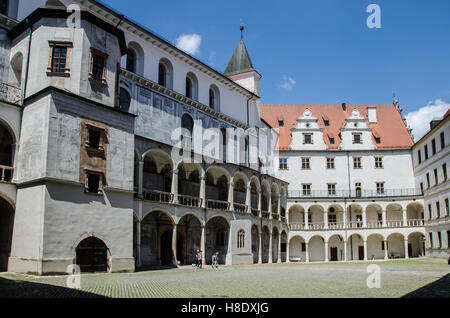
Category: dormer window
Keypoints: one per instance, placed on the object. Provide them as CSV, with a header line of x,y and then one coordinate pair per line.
x,y
307,138
326,122
331,140
281,123
357,138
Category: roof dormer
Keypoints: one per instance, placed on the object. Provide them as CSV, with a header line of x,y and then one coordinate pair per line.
x,y
307,134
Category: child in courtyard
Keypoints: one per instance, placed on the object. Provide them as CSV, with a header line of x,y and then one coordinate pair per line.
x,y
214,260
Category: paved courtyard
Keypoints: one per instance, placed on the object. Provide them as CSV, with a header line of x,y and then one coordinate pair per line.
x,y
417,277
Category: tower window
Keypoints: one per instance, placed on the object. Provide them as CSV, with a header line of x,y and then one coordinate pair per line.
x,y
58,64
97,70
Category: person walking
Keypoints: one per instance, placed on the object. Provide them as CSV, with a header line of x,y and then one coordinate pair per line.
x,y
214,262
199,258
196,259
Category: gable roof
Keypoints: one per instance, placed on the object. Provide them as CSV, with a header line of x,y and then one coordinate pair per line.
x,y
390,127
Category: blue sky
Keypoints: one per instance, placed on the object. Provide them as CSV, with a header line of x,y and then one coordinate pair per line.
x,y
320,51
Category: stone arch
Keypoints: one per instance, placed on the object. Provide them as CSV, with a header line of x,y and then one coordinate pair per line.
x,y
217,179
7,213
374,215
297,248
416,244
240,182
165,73
414,212
283,201
335,216
316,246
265,194
355,247
336,248
157,175
316,212
92,253
189,182
217,238
254,195
7,152
283,246
189,230
191,86
265,243
296,217
396,245
394,215
16,63
375,246
354,215
214,97
124,99
255,243
137,63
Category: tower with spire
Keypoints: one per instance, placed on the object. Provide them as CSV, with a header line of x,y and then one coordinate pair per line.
x,y
240,68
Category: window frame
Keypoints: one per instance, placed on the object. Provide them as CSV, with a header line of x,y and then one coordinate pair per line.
x,y
283,165
331,188
241,239
102,141
306,163
89,172
357,163
94,52
330,164
360,138
306,189
61,44
380,187
304,138
378,162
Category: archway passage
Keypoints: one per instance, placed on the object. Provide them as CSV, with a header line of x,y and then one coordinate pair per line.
x,y
255,244
6,154
217,233
6,231
156,239
275,244
265,244
92,255
189,233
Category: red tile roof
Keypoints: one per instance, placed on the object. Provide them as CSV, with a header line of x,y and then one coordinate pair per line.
x,y
389,127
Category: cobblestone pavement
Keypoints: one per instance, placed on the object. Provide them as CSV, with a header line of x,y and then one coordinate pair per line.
x,y
398,278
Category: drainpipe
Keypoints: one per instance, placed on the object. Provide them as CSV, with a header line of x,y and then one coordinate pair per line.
x,y
28,62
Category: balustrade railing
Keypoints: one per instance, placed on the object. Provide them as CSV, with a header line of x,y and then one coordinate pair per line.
x,y
275,216
394,223
265,214
157,196
374,224
354,193
356,225
296,226
189,200
217,205
239,207
415,222
316,226
255,212
335,225
6,173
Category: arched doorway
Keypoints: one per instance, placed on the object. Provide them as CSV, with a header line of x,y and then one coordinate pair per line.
x,y
297,249
92,255
6,231
316,249
165,243
275,244
189,233
255,244
265,244
355,247
217,233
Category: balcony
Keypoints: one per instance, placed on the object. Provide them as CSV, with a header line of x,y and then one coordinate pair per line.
x,y
354,194
255,212
265,214
217,205
157,196
188,200
10,94
6,173
357,225
238,207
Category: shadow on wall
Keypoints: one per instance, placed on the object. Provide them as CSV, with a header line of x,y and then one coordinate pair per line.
x,y
21,289
436,289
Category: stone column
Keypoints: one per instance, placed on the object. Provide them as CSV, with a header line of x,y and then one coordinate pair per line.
x,y
288,256
270,248
269,206
364,218
231,195
138,243
405,241
174,245
305,216
386,256
174,188
141,179
405,218
365,250
383,217
279,205
260,247
307,252
203,245
203,190
248,198
345,251
344,219
326,251
279,249
325,219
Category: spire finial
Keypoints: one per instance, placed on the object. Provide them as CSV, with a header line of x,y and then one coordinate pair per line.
x,y
242,29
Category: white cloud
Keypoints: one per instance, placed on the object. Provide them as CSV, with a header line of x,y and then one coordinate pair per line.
x,y
289,83
189,43
212,58
419,120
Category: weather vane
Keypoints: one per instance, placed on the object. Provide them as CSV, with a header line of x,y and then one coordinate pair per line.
x,y
242,29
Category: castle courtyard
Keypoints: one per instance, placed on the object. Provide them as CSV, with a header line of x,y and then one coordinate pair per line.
x,y
423,277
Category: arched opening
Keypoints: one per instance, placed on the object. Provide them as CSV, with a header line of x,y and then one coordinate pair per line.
x,y
274,198
6,231
264,198
187,132
416,244
317,217
374,215
316,248
394,215
265,244
414,214
275,244
355,247
239,193
255,244
92,255
135,58
217,234
336,248
283,202
189,184
16,65
254,197
217,189
131,60
189,231
165,73
354,216
296,217
396,245
297,249
124,100
157,175
156,239
191,86
335,216
283,246
375,246
6,154
214,97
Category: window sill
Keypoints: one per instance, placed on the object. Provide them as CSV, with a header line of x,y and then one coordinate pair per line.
x,y
58,74
97,82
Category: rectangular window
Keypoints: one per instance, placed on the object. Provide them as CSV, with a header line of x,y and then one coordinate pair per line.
x,y
431,239
378,162
58,64
378,140
357,163
331,140
380,217
94,183
447,208
430,212
436,181
94,138
281,123
421,187
305,163
331,188
358,189
382,245
438,209
428,180
439,239
433,146
306,189
330,163
419,156
283,164
442,140
332,218
303,247
357,138
326,122
380,187
426,152
97,69
307,139
444,171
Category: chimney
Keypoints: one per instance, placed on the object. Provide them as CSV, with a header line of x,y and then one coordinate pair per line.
x,y
344,106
